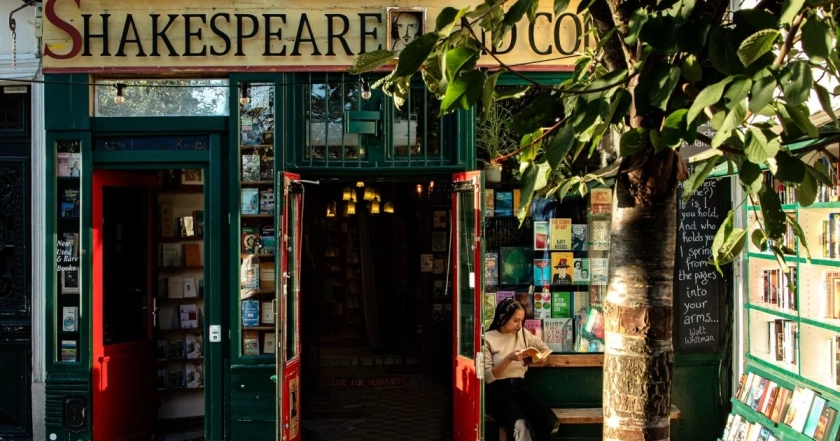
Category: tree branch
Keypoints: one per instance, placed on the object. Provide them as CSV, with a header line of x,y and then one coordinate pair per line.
x,y
549,131
613,48
791,36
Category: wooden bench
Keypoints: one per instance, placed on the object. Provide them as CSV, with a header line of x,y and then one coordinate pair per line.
x,y
588,415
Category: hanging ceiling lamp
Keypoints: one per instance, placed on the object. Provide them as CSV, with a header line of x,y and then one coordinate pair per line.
x,y
360,184
331,209
350,208
347,194
369,194
389,207
374,206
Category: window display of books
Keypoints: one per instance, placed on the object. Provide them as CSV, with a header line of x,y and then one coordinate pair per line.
x,y
557,269
68,162
257,234
791,386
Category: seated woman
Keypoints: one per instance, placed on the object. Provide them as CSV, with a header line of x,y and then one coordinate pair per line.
x,y
505,363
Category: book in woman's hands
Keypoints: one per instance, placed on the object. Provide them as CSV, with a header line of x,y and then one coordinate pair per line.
x,y
534,354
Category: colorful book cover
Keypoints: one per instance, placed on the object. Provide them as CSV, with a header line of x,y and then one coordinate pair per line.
x,y
268,241
501,295
250,313
800,404
515,266
534,327
540,235
267,202
250,167
189,316
542,304
825,423
69,203
250,202
517,194
580,302
600,200
579,238
542,272
194,375
489,308
580,273
491,269
504,203
813,417
599,235
598,271
68,350
558,334
526,299
560,268
561,304
561,234
250,240
489,202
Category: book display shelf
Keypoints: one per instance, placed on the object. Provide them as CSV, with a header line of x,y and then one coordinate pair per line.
x,y
68,187
258,239
180,294
791,388
555,265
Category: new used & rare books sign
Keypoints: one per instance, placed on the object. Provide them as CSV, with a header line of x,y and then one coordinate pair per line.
x,y
269,35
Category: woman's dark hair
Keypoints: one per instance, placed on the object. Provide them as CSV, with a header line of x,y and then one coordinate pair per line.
x,y
504,311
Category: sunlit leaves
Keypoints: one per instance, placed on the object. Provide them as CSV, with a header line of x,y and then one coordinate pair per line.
x,y
415,53
760,145
801,117
691,69
663,82
707,97
751,177
816,39
632,141
559,146
763,87
463,91
790,9
797,82
370,60
771,210
757,45
728,243
791,170
806,191
637,20
696,179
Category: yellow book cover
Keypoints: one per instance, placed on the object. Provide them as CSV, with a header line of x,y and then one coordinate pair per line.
x,y
561,234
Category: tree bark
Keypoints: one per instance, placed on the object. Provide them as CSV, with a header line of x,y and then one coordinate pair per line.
x,y
638,309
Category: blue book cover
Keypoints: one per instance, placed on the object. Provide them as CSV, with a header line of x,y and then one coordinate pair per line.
x,y
504,203
250,313
542,272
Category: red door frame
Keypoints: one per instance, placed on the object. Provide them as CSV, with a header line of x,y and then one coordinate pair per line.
x,y
468,418
289,369
115,417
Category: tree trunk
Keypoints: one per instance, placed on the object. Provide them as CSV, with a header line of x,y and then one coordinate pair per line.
x,y
638,309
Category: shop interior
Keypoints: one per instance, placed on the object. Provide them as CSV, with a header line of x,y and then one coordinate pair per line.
x,y
376,324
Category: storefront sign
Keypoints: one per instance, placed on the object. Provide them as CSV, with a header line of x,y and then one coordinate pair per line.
x,y
369,382
238,35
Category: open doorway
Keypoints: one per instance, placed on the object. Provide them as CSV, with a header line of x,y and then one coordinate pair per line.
x,y
376,325
148,295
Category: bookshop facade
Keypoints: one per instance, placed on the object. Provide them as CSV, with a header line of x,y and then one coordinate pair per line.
x,y
238,226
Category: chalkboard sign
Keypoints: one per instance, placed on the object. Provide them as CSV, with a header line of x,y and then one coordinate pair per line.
x,y
700,291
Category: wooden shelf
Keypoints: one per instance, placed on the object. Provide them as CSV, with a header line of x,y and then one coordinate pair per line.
x,y
572,361
181,239
256,146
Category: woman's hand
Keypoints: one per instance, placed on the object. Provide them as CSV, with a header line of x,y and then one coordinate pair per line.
x,y
516,356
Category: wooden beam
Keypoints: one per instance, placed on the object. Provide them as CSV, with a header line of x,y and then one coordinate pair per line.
x,y
572,361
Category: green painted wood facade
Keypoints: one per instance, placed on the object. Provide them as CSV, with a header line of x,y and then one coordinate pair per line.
x,y
239,396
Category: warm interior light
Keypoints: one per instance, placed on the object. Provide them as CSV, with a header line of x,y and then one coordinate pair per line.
x,y
347,194
350,208
431,187
374,206
360,184
244,94
388,208
331,209
369,194
120,97
419,190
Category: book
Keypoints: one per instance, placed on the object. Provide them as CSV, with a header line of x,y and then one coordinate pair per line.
x,y
187,226
167,220
598,271
70,318
68,350
161,379
175,350
250,201
542,304
250,313
489,309
160,351
501,295
534,354
250,167
600,201
558,334
175,379
579,238
438,241
69,203
540,235
250,240
194,345
561,234
170,254
269,343
267,281
491,269
561,262
599,235
68,164
561,304
515,266
825,423
250,343
194,375
542,272
267,168
439,219
175,287
800,405
534,326
266,313
813,419
489,202
580,273
189,316
267,201
503,204
189,287
198,216
268,241
192,255
427,263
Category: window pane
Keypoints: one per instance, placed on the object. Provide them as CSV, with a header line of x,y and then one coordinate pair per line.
x,y
163,98
324,105
466,266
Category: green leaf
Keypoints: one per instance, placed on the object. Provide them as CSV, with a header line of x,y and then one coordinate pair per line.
x,y
533,178
637,21
737,92
790,9
800,117
695,181
660,33
771,209
707,97
515,13
751,177
559,146
632,142
791,170
665,79
487,98
756,45
800,234
723,44
816,39
759,239
463,92
674,128
764,85
433,76
753,20
413,56
735,117
529,145
458,60
510,92
806,192
819,172
825,102
369,61
728,243
622,99
798,86
759,147
560,6
691,69
539,113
